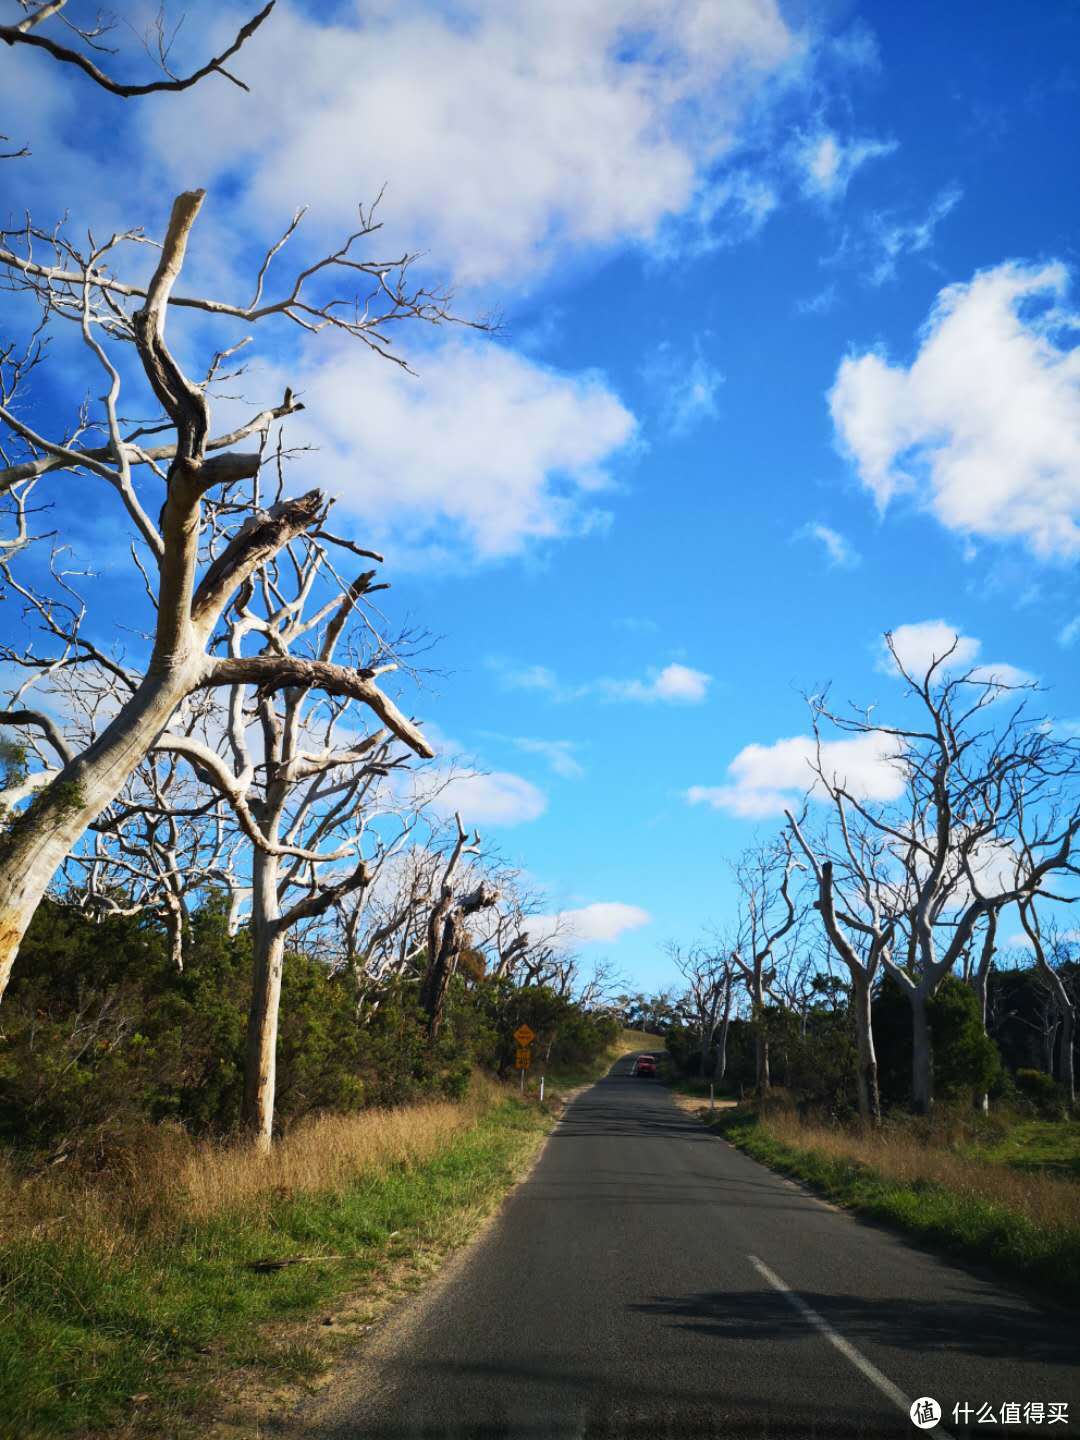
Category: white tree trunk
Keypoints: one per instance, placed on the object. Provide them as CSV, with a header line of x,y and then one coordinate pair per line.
x,y
41,836
268,946
867,1072
922,1054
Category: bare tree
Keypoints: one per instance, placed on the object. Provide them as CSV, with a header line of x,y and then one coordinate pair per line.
x,y
447,932
304,786
215,533
158,42
767,916
1049,949
854,899
709,973
986,817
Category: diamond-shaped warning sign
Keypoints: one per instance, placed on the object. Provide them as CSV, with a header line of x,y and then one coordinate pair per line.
x,y
524,1036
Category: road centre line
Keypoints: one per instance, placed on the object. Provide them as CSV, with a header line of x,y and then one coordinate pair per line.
x,y
809,1314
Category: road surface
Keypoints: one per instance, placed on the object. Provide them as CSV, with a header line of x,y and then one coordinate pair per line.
x,y
649,1280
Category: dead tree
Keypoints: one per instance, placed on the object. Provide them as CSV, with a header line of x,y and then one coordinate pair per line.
x,y
709,972
25,33
854,898
191,571
1047,948
447,931
986,817
159,847
767,916
306,786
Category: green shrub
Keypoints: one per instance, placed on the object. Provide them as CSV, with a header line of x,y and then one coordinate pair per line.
x,y
1042,1091
966,1060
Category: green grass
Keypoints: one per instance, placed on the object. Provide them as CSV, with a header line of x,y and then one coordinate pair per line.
x,y
1050,1145
89,1340
1045,1257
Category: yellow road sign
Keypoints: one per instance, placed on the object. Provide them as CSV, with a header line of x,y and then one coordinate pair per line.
x,y
524,1036
523,1059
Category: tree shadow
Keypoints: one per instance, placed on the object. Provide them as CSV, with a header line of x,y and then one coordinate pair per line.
x,y
984,1328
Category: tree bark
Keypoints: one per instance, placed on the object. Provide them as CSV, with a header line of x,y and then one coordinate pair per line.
x,y
1067,1063
867,1070
762,1063
922,1053
725,1024
1066,1067
979,983
41,836
268,945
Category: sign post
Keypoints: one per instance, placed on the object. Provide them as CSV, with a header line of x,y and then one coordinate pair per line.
x,y
524,1037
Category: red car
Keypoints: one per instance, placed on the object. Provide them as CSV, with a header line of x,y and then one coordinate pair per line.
x,y
645,1066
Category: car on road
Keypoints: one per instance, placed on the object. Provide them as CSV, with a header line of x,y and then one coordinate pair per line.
x,y
645,1067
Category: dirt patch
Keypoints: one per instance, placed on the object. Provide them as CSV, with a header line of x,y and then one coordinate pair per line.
x,y
699,1104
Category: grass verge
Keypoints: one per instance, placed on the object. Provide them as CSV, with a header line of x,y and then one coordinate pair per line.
x,y
1025,1225
122,1305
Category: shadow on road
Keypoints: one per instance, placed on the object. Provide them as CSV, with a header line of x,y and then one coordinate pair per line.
x,y
962,1328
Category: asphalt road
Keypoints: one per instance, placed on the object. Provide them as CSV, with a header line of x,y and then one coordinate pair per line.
x,y
649,1280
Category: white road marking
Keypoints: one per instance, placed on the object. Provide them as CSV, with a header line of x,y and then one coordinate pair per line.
x,y
864,1367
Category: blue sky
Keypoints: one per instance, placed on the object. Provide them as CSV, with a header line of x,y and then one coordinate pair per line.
x,y
786,361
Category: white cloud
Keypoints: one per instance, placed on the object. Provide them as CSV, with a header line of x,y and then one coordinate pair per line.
x,y
841,553
983,428
507,133
827,164
765,780
479,454
892,238
498,798
819,304
602,922
686,388
678,683
727,211
559,755
675,684
918,645
1068,633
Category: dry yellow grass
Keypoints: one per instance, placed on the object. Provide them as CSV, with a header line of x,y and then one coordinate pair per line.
x,y
168,1176
326,1153
909,1157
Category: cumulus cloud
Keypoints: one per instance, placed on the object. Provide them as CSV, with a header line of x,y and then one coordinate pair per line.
x,y
496,798
675,684
508,133
918,645
602,922
982,429
827,164
766,780
840,552
481,453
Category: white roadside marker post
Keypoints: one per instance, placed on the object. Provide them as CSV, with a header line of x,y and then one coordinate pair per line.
x,y
541,1089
